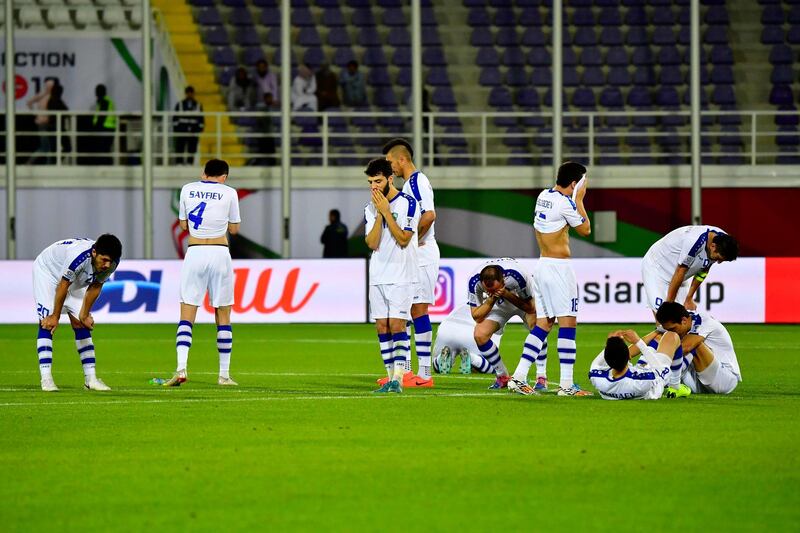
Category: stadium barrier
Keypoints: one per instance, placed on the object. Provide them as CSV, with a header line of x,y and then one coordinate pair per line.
x,y
755,290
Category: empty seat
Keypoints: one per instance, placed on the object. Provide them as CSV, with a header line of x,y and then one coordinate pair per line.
x,y
772,35
85,16
339,37
487,56
533,37
490,77
513,57
59,17
217,36
593,76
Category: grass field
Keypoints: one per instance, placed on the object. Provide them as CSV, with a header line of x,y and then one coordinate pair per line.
x,y
302,444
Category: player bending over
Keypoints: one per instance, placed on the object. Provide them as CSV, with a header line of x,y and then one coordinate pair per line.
x,y
455,338
615,378
209,209
499,290
555,287
392,218
684,253
67,278
710,364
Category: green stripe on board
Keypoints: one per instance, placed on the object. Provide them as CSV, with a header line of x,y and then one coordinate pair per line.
x,y
448,250
503,204
126,56
245,248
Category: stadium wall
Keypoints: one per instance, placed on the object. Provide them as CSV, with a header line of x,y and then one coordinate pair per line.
x,y
755,290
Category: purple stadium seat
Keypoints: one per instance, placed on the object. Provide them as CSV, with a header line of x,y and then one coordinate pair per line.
x,y
513,57
363,18
668,97
669,55
500,97
487,57
637,35
566,38
481,37
606,3
478,16
543,138
401,57
640,97
782,75
636,139
504,17
533,36
455,137
241,16
619,76
385,97
583,98
507,37
217,36
787,120
223,56
617,57
593,77
530,17
640,156
394,17
443,96
374,57
520,157
723,95
314,57
670,75
590,57
430,36
437,76
794,14
248,36
201,3
390,3
793,36
270,18
428,16
729,120
611,97
301,16
570,76
568,57
606,137
342,56
716,15
609,17
716,35
209,17
399,37
517,77
433,57
404,77
721,55
379,77
781,54
490,77
225,74
539,57
788,136
339,37
333,18
703,97
308,36
663,17
636,16
298,3
528,99
733,155
585,36
644,75
685,36
611,36
664,36
515,137
369,38
722,75
773,15
729,136
583,17
252,54
781,95
542,77
772,35
504,121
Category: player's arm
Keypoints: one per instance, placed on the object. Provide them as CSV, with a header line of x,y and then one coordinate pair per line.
x,y
85,315
634,349
233,229
691,342
373,238
585,228
689,302
50,322
520,303
425,222
480,312
402,236
675,283
234,217
184,224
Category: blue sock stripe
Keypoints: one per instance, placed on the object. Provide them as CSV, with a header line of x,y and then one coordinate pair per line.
x,y
539,333
224,340
401,347
532,348
676,367
528,358
422,343
384,337
422,324
679,351
402,336
44,334
224,350
567,333
225,328
82,333
541,357
387,350
493,353
185,323
89,348
567,361
183,343
45,360
567,350
41,349
184,334
87,361
486,347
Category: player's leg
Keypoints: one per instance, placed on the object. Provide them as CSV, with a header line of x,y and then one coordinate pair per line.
x,y
483,339
532,347
715,377
379,312
541,359
44,292
85,347
222,316
220,295
423,332
183,342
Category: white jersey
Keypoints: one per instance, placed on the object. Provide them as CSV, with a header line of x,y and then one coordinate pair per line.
x,y
717,339
555,210
514,276
71,259
419,187
684,246
209,207
640,382
392,263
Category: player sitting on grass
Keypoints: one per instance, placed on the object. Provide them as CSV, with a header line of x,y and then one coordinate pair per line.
x,y
454,338
615,378
67,278
710,365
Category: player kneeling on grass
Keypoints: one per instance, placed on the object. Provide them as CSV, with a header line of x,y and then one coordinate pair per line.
x,y
67,278
392,218
455,338
209,209
706,360
615,378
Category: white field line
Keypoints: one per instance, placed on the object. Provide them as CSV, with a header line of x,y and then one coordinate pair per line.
x,y
368,396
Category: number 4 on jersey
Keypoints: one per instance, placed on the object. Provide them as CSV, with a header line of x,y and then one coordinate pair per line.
x,y
196,215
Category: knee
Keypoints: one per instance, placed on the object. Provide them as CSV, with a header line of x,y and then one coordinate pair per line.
x,y
481,338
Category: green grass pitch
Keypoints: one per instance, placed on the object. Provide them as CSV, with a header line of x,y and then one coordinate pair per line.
x,y
302,444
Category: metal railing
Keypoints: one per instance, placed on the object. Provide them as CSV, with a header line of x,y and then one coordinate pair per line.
x,y
466,138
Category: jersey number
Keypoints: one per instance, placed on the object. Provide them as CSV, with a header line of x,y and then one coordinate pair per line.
x,y
196,215
574,305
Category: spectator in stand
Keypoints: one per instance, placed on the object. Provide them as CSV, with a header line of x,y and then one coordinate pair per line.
x,y
241,92
39,102
327,88
104,122
56,103
187,123
354,88
334,238
266,82
304,90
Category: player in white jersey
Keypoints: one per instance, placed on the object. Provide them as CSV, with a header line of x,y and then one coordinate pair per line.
x,y
416,184
709,364
683,254
67,278
498,290
455,337
209,209
615,378
392,219
555,287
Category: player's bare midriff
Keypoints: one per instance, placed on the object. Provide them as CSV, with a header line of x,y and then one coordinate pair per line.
x,y
222,239
555,245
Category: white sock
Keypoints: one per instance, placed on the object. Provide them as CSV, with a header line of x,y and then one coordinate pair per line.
x,y
541,362
387,352
224,347
491,353
533,346
182,343
85,347
44,346
567,351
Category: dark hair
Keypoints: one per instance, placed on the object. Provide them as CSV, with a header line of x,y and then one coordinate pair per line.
x,y
397,142
569,172
616,353
215,168
379,166
352,62
336,214
189,89
108,244
727,246
100,90
671,312
491,273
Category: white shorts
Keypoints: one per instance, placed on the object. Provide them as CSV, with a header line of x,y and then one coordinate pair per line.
x,y
717,378
503,313
459,337
207,268
391,301
555,288
44,291
425,288
655,286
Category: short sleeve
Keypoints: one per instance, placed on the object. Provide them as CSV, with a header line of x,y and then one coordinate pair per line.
x,y
369,218
411,216
473,299
233,215
569,211
690,249
182,206
73,265
423,194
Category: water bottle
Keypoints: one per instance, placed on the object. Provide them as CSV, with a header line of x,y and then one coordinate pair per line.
x,y
157,381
